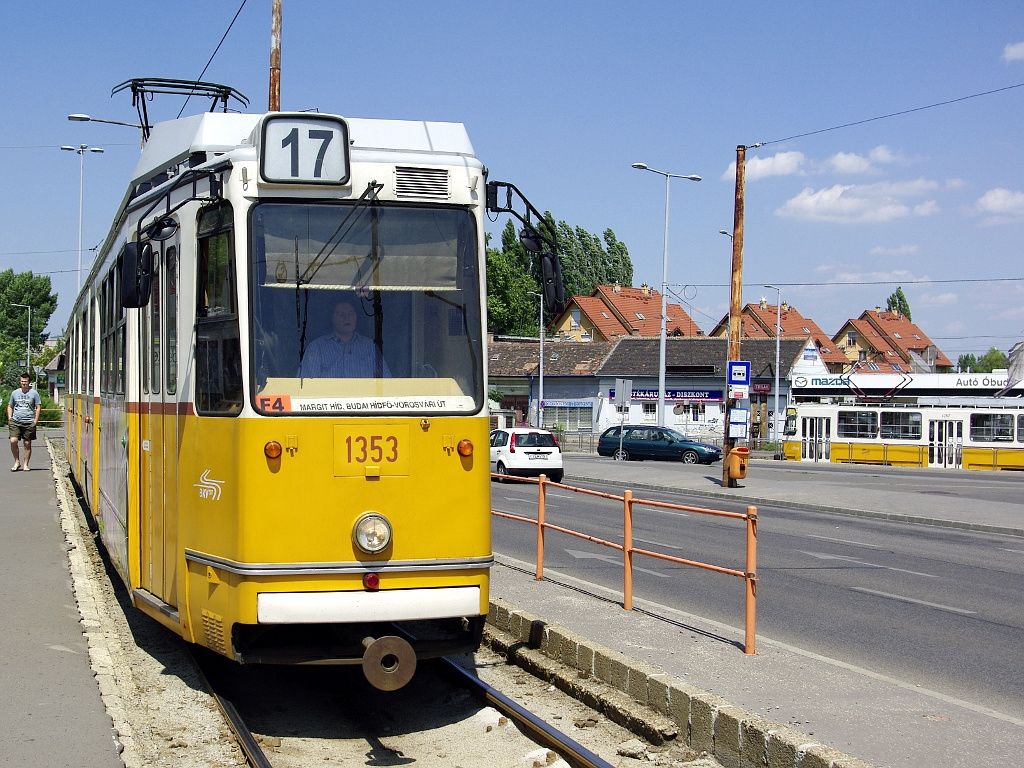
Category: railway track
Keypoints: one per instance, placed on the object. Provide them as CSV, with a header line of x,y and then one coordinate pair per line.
x,y
549,743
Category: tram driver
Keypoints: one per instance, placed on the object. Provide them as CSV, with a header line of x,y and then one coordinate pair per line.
x,y
344,353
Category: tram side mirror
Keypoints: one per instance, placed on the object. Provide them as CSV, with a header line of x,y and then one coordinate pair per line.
x,y
136,269
162,229
551,277
531,241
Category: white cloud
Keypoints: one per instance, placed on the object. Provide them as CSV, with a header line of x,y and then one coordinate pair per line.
x,y
889,276
780,164
1013,52
861,204
847,162
936,299
1000,206
851,162
902,250
882,154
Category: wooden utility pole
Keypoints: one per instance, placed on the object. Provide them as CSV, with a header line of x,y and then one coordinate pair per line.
x,y
275,59
735,304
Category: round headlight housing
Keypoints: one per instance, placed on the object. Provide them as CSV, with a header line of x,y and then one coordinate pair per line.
x,y
372,533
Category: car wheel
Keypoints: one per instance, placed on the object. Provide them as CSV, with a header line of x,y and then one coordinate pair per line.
x,y
621,454
689,457
502,472
555,477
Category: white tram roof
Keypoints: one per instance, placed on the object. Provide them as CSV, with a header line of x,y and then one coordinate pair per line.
x,y
173,141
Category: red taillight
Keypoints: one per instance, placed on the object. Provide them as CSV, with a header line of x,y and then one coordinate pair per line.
x,y
371,581
512,443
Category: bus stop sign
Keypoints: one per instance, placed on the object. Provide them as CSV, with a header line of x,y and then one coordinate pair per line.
x,y
739,372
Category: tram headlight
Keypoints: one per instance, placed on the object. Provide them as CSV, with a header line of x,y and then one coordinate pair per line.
x,y
372,533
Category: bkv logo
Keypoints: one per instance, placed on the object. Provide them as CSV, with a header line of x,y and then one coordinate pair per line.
x,y
209,489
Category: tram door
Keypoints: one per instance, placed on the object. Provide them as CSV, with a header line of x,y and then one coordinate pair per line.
x,y
815,438
158,537
945,443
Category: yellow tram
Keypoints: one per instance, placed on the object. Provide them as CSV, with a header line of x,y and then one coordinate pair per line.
x,y
270,484
951,433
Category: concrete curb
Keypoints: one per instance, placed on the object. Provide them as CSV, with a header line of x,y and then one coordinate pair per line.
x,y
980,527
649,702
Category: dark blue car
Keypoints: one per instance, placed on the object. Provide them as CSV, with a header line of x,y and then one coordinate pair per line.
x,y
639,442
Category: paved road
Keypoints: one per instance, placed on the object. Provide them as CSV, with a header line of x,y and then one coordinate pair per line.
x,y
939,606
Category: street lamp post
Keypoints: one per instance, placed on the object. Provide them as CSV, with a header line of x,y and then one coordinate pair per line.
x,y
540,376
664,288
81,150
778,335
28,338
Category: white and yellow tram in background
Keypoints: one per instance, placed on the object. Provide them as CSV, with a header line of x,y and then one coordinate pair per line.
x,y
261,514
968,433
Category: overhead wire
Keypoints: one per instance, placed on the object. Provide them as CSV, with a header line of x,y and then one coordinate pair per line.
x,y
208,63
892,114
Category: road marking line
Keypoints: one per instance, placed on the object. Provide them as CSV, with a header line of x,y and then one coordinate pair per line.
x,y
842,541
844,558
661,544
902,599
1018,551
611,559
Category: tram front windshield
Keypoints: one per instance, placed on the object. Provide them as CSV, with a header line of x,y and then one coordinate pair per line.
x,y
365,309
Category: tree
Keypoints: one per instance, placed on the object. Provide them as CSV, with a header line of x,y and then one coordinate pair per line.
x,y
510,307
513,272
898,303
987,363
33,291
991,360
967,363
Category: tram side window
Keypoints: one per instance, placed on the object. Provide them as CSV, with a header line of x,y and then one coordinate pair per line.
x,y
992,427
1020,428
218,351
857,424
171,318
901,425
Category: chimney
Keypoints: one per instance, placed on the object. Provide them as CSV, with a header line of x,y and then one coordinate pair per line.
x,y
645,290
878,310
616,288
785,307
764,304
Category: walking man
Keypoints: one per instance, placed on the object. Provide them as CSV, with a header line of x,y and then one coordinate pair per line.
x,y
22,417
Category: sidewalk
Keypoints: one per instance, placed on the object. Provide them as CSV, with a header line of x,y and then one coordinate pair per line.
x,y
52,714
879,719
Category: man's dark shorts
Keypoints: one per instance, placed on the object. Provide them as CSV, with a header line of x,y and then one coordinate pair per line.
x,y
22,432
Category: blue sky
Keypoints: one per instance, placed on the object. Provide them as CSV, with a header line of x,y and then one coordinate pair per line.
x,y
561,98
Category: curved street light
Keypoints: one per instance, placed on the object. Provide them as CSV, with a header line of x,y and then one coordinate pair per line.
x,y
664,286
81,150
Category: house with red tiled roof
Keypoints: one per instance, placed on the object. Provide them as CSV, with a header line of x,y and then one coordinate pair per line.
x,y
757,321
612,311
888,342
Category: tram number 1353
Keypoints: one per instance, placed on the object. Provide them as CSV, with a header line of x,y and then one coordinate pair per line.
x,y
357,450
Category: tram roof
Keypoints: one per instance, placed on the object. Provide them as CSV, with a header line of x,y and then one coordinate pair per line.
x,y
212,133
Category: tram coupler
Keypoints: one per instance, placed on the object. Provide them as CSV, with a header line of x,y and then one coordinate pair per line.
x,y
389,662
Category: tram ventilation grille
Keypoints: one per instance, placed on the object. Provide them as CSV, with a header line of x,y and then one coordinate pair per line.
x,y
213,630
430,183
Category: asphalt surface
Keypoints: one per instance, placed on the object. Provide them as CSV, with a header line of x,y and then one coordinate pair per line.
x,y
886,719
52,713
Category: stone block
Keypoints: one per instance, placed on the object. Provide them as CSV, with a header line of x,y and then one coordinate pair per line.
x,y
726,735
